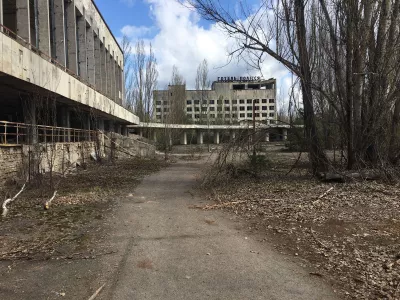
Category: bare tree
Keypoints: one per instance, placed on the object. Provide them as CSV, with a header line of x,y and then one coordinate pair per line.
x,y
144,80
345,55
127,55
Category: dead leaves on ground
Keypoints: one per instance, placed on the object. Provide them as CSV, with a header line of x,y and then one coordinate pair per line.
x,y
350,232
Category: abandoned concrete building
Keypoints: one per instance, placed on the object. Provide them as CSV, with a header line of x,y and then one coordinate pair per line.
x,y
231,100
61,76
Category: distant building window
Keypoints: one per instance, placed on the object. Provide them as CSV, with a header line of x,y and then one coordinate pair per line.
x,y
166,109
241,101
271,115
249,107
234,101
196,101
212,101
257,115
219,116
227,115
242,108
256,100
158,109
226,101
212,115
249,115
219,101
219,108
234,108
197,116
189,102
189,116
272,108
189,109
204,108
249,101
272,122
197,109
264,100
212,108
256,108
227,109
264,108
165,102
265,115
242,115
234,116
271,100
204,102
158,102
159,117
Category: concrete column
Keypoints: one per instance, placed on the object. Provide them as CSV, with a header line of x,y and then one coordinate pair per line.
x,y
284,134
184,138
23,20
82,57
103,69
1,15
66,122
111,126
233,135
155,136
90,55
124,131
267,136
141,132
44,26
59,32
108,72
200,137
70,36
216,137
112,77
97,60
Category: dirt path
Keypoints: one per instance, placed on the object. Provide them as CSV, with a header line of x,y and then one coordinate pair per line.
x,y
165,250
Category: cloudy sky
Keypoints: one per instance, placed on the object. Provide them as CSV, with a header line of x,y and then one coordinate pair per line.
x,y
180,37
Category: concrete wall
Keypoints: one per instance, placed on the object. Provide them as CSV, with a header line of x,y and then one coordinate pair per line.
x,y
128,146
10,162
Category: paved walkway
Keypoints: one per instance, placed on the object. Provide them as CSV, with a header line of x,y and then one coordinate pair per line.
x,y
169,251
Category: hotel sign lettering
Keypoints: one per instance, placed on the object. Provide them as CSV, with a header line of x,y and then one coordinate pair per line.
x,y
241,79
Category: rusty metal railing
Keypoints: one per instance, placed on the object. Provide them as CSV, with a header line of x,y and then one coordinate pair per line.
x,y
13,134
33,48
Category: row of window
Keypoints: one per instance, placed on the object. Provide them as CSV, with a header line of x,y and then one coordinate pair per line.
x,y
241,101
234,116
241,108
205,102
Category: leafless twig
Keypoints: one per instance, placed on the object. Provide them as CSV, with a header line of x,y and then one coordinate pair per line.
x,y
5,210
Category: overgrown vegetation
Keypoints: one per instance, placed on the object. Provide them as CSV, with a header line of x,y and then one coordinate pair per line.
x,y
346,232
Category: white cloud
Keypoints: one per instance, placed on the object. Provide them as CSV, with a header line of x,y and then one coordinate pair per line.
x,y
136,32
181,41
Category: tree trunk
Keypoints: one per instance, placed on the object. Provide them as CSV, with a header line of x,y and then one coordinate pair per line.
x,y
318,159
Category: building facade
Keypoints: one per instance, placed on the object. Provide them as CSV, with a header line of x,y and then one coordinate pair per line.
x,y
229,101
61,50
